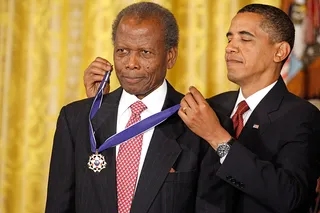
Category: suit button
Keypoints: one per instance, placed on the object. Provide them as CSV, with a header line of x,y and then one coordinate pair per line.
x,y
237,184
233,180
229,177
241,185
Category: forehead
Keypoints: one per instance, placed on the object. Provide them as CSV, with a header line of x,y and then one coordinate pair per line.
x,y
135,27
250,22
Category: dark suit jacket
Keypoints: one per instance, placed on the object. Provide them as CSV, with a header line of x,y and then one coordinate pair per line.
x,y
273,167
74,188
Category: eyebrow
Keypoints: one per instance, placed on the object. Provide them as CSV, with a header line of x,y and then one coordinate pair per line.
x,y
241,33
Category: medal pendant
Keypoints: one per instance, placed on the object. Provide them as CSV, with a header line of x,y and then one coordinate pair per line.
x,y
96,162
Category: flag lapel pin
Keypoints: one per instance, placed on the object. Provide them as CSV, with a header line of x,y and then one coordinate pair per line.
x,y
255,126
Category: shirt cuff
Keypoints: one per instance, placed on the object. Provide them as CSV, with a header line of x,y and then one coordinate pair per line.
x,y
223,158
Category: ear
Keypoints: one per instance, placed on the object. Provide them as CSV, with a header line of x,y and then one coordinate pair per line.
x,y
282,51
172,55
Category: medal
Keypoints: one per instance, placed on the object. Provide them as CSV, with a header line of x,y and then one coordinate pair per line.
x,y
96,162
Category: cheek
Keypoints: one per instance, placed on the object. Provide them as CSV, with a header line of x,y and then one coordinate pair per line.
x,y
262,58
117,68
147,63
121,61
267,56
251,58
117,62
149,67
155,73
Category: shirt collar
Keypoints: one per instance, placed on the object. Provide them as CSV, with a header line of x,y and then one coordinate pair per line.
x,y
254,99
152,101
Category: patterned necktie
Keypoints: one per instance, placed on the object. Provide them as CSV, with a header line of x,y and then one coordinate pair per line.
x,y
237,118
127,163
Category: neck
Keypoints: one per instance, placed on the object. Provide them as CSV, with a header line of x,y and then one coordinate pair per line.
x,y
250,89
261,80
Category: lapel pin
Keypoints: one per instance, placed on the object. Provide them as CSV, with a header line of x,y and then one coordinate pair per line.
x,y
255,126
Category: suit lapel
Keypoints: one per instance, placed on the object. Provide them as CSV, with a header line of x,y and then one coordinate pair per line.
x,y
265,112
104,124
224,103
162,153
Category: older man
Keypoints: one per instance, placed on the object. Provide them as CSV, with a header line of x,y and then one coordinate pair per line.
x,y
167,168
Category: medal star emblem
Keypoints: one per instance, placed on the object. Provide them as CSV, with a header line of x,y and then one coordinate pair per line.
x,y
96,162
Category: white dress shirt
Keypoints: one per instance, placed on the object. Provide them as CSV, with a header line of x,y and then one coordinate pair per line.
x,y
154,102
252,101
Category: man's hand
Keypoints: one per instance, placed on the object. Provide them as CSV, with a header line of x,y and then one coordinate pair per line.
x,y
94,74
201,119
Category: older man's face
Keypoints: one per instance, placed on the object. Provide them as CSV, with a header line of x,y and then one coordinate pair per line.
x,y
140,57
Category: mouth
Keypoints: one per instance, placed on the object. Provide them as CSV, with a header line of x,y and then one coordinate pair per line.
x,y
233,62
132,80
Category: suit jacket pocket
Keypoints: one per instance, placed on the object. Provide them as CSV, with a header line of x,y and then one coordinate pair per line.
x,y
178,192
183,177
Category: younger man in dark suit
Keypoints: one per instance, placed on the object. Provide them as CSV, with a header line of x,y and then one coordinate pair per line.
x,y
273,160
164,169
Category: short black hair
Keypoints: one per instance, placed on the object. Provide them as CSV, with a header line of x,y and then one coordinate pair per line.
x,y
147,10
275,22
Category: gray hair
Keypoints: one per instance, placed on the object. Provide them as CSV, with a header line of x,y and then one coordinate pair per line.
x,y
147,10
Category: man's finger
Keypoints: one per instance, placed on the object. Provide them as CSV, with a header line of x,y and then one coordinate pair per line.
x,y
184,103
106,89
103,60
91,79
97,71
103,66
198,97
190,100
183,116
95,78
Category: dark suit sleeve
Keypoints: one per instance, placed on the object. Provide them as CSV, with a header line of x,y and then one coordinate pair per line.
x,y
285,182
212,191
60,196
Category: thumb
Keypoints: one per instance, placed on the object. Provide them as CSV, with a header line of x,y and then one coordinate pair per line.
x,y
106,89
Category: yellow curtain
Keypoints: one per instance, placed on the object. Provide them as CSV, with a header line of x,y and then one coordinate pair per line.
x,y
45,45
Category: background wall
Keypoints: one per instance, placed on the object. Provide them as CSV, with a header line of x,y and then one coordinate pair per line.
x,y
302,71
45,45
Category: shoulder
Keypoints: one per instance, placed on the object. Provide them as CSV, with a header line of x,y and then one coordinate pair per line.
x,y
223,102
77,107
296,114
307,113
222,96
172,93
295,103
83,106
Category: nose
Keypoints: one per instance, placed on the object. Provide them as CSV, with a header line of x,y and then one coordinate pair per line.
x,y
133,61
232,47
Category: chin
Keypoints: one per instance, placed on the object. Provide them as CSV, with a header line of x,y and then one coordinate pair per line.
x,y
232,77
133,91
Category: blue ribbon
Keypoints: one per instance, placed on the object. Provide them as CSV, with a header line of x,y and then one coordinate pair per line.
x,y
129,132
